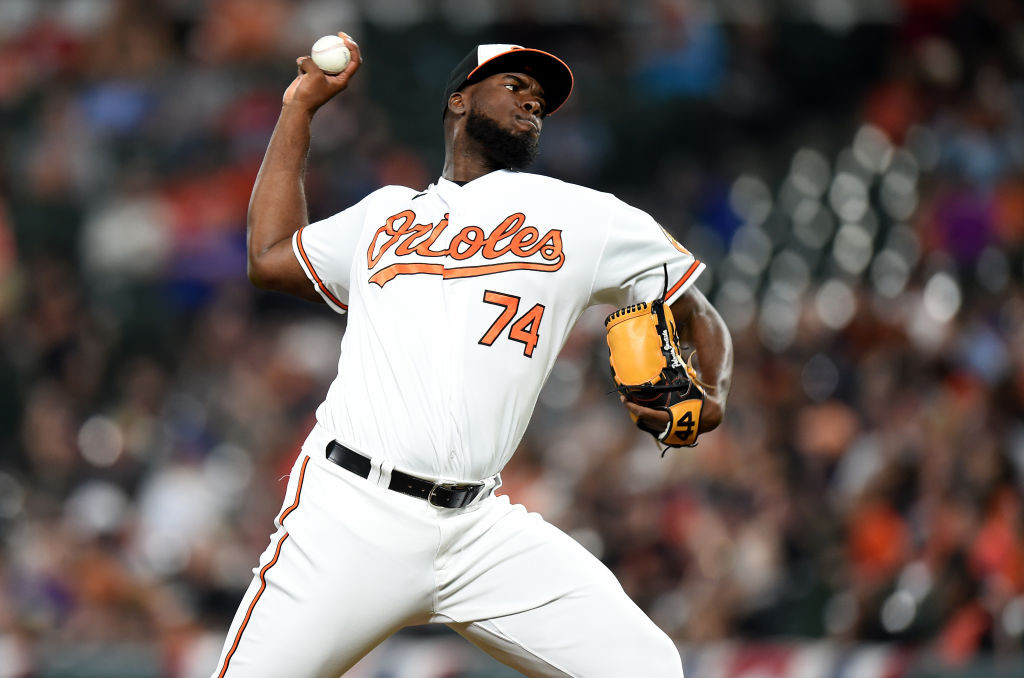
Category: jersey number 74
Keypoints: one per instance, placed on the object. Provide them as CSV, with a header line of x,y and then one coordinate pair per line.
x,y
525,329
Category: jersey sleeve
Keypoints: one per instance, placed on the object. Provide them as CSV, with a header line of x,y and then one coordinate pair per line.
x,y
325,250
636,254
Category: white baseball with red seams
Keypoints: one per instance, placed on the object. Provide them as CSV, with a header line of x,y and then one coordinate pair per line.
x,y
330,54
461,298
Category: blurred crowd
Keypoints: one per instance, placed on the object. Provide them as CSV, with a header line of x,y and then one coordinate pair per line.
x,y
852,172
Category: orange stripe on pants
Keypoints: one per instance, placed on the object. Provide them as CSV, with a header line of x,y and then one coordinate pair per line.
x,y
263,572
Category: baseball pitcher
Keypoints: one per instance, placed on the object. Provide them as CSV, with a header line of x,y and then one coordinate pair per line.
x,y
459,297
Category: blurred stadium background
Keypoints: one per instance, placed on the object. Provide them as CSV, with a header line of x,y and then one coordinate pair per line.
x,y
851,170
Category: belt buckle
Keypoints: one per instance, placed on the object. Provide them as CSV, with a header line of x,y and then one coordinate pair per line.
x,y
452,487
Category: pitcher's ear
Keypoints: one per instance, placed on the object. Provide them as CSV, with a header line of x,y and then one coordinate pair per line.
x,y
457,103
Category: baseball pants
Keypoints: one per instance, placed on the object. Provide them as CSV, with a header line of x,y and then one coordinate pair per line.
x,y
352,562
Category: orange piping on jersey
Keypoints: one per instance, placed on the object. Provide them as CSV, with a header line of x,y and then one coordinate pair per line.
x,y
316,278
675,243
686,276
263,572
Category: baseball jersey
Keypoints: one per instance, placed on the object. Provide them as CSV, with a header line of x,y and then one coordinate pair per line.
x,y
460,298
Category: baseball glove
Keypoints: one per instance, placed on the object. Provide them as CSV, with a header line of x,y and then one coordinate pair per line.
x,y
648,370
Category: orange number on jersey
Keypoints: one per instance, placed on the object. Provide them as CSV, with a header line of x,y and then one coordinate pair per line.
x,y
511,305
525,330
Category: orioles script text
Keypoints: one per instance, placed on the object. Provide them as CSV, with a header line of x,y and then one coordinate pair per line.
x,y
510,246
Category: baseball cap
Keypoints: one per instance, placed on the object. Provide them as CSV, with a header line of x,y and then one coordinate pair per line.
x,y
485,60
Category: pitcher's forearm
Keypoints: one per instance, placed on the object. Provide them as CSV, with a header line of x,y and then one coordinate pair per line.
x,y
713,344
277,207
702,327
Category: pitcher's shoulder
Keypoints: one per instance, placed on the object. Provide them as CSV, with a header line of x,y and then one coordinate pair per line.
x,y
394,192
563,189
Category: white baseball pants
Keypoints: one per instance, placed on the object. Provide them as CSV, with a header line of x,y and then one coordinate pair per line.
x,y
352,562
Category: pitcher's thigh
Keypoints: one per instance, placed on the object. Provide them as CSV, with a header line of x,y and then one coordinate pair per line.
x,y
536,600
599,634
329,587
279,630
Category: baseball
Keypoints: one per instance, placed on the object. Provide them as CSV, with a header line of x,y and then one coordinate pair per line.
x,y
330,54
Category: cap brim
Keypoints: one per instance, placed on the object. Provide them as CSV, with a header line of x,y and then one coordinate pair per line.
x,y
553,74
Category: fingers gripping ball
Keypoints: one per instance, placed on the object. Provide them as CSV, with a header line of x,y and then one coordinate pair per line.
x,y
648,370
331,54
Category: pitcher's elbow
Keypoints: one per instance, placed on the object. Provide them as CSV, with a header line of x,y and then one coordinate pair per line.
x,y
257,276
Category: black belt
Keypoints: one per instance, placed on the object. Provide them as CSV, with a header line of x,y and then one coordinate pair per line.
x,y
442,495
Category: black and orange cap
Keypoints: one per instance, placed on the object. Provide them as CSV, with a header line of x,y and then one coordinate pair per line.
x,y
485,60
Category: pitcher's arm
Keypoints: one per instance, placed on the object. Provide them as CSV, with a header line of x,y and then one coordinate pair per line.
x,y
277,207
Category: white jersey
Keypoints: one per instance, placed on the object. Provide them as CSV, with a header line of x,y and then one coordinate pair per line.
x,y
460,299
